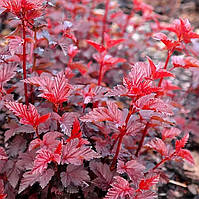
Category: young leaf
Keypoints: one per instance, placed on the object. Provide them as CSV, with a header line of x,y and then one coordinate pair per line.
x,y
157,73
146,184
111,42
181,143
170,133
184,62
98,47
182,28
28,115
171,45
55,89
185,154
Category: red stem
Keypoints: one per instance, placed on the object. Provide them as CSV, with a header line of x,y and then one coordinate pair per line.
x,y
104,21
142,140
122,134
163,161
147,125
165,66
24,63
37,132
100,74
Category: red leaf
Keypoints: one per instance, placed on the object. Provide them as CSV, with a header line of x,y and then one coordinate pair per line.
x,y
158,145
3,155
55,89
76,133
185,154
79,66
2,194
181,143
171,45
183,30
185,62
157,73
43,118
170,133
146,184
120,189
149,102
100,48
29,115
136,82
111,42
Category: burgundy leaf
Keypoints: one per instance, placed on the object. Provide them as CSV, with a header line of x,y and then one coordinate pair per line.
x,y
103,173
146,195
72,154
45,178
50,141
66,122
134,169
118,90
7,71
75,175
120,189
185,62
28,180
